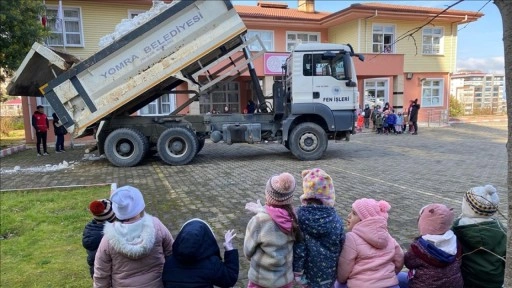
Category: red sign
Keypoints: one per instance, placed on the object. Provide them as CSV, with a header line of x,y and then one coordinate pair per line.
x,y
274,63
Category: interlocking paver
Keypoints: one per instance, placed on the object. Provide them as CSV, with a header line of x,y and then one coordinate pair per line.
x,y
438,165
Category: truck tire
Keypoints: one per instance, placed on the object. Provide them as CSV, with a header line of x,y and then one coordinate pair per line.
x,y
177,146
308,141
125,147
200,145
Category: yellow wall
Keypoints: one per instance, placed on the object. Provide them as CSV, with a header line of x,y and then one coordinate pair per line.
x,y
98,20
414,61
346,33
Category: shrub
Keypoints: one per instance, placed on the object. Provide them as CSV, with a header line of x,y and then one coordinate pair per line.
x,y
456,107
10,123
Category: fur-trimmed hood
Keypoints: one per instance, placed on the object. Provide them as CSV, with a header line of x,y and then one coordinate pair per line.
x,y
135,240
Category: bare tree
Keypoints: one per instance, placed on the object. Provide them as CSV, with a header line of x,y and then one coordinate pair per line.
x,y
505,7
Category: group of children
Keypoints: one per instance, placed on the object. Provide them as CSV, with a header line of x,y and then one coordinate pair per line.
x,y
306,246
386,122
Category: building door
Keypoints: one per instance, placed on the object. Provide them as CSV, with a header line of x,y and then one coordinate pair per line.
x,y
376,92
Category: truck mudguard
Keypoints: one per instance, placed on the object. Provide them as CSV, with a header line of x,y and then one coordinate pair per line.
x,y
335,120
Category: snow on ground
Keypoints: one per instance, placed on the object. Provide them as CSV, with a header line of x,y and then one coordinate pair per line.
x,y
49,167
127,25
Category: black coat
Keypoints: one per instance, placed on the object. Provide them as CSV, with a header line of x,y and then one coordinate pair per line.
x,y
414,113
91,239
367,112
195,260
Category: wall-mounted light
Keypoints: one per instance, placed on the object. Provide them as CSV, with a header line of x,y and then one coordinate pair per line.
x,y
409,75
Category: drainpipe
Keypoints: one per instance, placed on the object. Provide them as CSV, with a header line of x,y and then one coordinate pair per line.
x,y
366,30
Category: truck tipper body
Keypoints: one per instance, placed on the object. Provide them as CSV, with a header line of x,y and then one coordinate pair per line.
x,y
200,43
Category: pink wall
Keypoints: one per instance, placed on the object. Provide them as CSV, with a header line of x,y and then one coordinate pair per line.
x,y
412,90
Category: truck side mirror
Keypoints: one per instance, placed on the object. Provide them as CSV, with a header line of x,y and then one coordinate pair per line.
x,y
347,66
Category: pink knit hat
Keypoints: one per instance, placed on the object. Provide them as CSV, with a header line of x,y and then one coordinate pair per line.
x,y
279,190
435,219
366,208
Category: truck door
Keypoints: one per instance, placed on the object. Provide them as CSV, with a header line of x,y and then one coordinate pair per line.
x,y
329,82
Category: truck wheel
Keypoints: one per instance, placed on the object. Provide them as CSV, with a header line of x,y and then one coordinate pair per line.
x,y
125,147
200,145
308,141
177,146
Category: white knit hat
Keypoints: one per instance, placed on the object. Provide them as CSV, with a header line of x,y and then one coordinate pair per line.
x,y
127,202
480,201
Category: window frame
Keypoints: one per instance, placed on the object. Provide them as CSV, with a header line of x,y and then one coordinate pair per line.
x,y
48,110
431,96
391,45
58,35
158,103
433,35
226,91
259,32
318,34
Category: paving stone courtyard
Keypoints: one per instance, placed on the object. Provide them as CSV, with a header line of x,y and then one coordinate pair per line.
x,y
408,171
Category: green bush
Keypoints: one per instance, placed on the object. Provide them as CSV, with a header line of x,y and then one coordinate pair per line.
x,y
10,123
456,107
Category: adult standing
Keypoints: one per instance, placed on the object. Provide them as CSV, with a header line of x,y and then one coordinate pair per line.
x,y
41,125
367,113
60,131
413,118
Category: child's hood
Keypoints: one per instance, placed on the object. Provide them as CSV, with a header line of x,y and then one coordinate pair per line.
x,y
317,220
195,241
135,240
374,231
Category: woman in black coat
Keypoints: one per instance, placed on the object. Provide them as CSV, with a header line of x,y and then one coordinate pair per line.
x,y
413,117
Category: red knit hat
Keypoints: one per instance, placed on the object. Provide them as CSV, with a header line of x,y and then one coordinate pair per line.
x,y
102,210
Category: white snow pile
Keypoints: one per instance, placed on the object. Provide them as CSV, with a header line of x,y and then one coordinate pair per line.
x,y
93,157
127,25
39,169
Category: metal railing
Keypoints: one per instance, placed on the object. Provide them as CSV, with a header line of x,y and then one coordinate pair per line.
x,y
437,118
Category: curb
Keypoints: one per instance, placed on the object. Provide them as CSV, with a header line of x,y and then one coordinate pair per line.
x,y
12,150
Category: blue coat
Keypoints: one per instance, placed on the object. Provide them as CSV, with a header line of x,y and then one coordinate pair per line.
x,y
195,260
317,255
93,232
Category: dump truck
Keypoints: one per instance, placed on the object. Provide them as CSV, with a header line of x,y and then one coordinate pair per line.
x,y
200,43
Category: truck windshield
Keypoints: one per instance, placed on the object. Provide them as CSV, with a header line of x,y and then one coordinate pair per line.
x,y
317,65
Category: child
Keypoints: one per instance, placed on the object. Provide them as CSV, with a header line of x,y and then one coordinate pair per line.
x,y
434,258
482,237
370,256
270,234
379,123
93,231
399,123
133,249
315,257
195,260
385,125
360,122
391,120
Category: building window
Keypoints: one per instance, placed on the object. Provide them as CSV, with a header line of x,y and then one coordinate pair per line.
x,y
48,110
375,92
227,95
383,38
267,37
432,41
294,38
432,93
71,34
161,106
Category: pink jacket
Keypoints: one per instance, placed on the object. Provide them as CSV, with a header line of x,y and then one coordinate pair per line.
x,y
132,254
370,256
